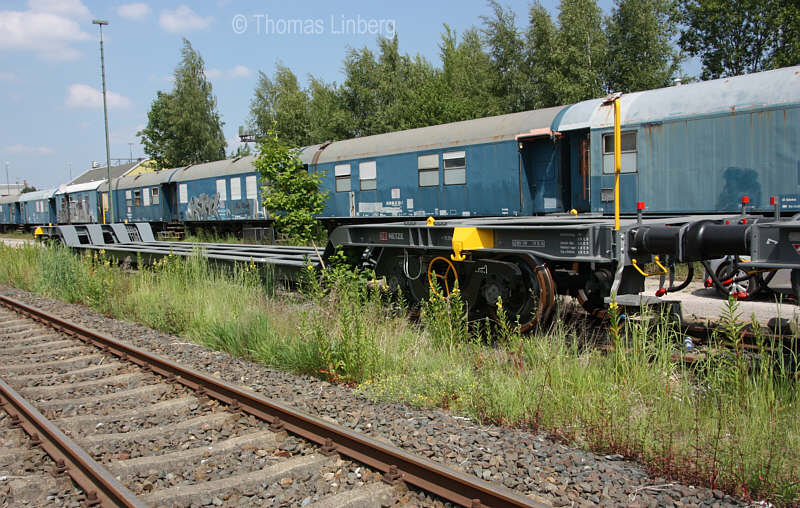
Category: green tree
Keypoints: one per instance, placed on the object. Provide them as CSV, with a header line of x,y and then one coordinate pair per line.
x,y
280,104
390,92
466,76
581,50
327,117
740,36
543,63
183,126
641,55
510,82
786,51
290,192
242,150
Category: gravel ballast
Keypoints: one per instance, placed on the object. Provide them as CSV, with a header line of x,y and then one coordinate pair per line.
x,y
532,464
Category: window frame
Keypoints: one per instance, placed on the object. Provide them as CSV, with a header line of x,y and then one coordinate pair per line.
x,y
427,169
342,173
451,172
370,167
222,189
155,195
137,197
609,155
251,183
236,182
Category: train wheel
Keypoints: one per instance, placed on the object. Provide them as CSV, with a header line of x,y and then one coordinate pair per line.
x,y
442,276
737,282
597,288
532,299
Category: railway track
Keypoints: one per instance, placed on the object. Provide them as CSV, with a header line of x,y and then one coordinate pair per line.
x,y
130,428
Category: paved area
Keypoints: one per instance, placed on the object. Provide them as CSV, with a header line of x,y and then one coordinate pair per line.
x,y
16,242
704,304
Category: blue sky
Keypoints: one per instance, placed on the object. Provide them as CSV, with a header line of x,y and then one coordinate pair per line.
x,y
52,116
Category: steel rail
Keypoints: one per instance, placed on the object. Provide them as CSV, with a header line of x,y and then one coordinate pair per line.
x,y
395,463
100,485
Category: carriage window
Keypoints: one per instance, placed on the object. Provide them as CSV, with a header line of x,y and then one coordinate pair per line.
x,y
146,196
221,190
128,199
628,143
342,174
250,187
428,167
154,192
236,189
137,198
183,195
367,172
455,168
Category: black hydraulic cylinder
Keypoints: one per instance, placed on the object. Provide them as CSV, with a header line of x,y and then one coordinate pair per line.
x,y
709,240
659,240
693,242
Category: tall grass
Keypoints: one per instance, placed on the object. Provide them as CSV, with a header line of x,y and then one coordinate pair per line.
x,y
729,419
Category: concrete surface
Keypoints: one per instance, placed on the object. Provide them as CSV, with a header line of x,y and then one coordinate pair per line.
x,y
704,304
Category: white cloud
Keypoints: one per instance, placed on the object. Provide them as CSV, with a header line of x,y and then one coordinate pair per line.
x,y
183,19
69,8
25,149
48,28
8,77
136,11
84,96
240,71
213,73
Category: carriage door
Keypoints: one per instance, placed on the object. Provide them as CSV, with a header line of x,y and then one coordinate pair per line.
x,y
51,210
541,179
628,180
575,164
170,201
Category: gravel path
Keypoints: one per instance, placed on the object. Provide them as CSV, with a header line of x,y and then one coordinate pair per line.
x,y
532,464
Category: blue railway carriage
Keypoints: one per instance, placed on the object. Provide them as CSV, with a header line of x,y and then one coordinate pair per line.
x,y
38,207
9,211
216,192
143,197
695,148
78,203
81,202
502,165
